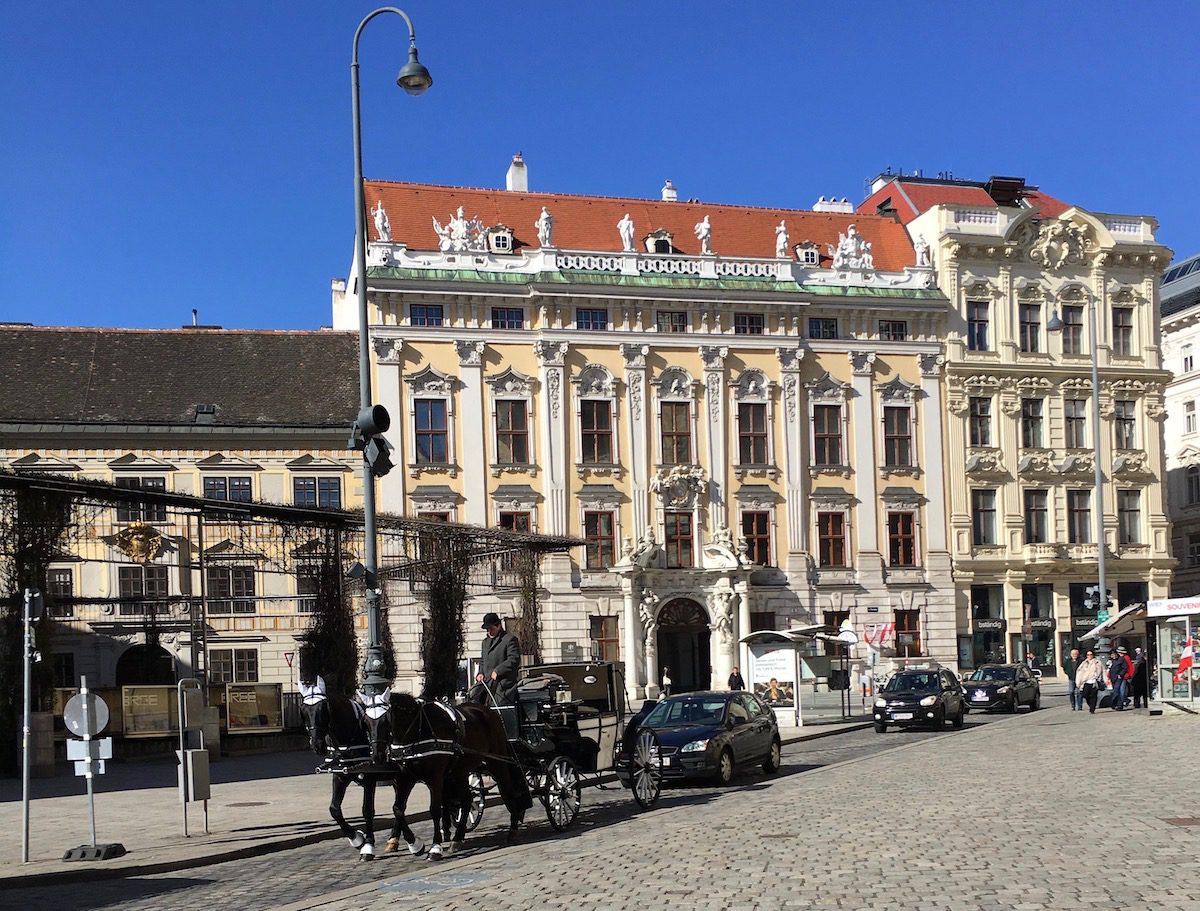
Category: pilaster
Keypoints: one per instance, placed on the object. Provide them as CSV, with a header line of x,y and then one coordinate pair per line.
x,y
866,487
718,465
388,356
794,458
639,452
551,371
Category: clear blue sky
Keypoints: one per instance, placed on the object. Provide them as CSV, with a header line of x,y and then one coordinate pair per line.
x,y
160,156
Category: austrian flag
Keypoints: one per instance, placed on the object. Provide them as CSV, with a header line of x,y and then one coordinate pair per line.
x,y
1185,661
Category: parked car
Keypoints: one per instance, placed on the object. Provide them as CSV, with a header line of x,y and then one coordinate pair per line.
x,y
930,696
710,735
1004,687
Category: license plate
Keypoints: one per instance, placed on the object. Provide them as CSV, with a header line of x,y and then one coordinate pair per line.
x,y
980,696
903,716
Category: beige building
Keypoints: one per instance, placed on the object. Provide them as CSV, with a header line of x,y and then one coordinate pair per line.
x,y
1019,413
738,409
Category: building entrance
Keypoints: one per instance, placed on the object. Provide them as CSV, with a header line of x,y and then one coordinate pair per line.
x,y
146,665
683,646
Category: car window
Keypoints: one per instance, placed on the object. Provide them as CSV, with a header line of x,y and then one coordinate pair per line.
x,y
756,707
993,674
686,711
910,682
738,710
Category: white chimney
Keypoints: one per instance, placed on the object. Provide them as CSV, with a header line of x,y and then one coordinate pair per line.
x,y
669,193
517,178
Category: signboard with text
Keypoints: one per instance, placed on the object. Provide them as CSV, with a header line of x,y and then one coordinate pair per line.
x,y
254,707
150,711
773,673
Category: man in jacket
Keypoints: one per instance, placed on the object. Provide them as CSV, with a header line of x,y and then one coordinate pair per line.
x,y
499,661
1141,680
736,682
1120,671
1074,693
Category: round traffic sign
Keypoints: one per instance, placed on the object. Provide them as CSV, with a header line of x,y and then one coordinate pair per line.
x,y
89,706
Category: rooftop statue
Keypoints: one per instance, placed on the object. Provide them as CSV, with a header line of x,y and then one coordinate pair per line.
x,y
625,227
383,227
703,231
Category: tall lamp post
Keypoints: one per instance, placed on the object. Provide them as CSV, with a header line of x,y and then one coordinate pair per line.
x,y
1054,324
414,78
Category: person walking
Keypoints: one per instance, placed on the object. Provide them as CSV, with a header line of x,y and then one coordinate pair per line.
x,y
1141,680
1074,694
666,681
735,680
1089,677
1120,672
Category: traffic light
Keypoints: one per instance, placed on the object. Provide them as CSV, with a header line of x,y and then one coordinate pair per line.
x,y
369,428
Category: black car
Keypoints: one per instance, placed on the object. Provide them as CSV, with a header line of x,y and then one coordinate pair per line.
x,y
1004,687
928,696
710,735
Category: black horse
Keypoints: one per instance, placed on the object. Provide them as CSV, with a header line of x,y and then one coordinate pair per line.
x,y
337,731
441,746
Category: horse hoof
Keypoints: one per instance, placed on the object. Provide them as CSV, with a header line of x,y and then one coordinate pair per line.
x,y
367,852
391,846
358,840
416,847
510,838
435,852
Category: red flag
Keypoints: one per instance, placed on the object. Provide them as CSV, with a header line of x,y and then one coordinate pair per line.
x,y
1185,661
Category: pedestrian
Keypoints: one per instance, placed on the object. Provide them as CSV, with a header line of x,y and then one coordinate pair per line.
x,y
1029,660
499,662
735,680
1074,694
1089,677
1141,680
666,681
1120,672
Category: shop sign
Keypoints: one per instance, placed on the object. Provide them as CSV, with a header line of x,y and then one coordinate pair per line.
x,y
254,707
1171,607
1041,623
150,710
991,624
1084,623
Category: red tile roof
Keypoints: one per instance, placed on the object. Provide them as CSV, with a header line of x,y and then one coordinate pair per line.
x,y
590,222
910,199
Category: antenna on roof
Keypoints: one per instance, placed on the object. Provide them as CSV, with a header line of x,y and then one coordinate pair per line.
x,y
195,317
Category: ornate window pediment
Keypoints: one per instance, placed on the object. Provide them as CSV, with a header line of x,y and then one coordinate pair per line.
x,y
984,461
434,498
897,392
595,381
1124,295
826,390
221,462
675,383
1132,464
1037,463
901,498
831,498
660,240
756,496
981,384
1077,465
751,386
1188,456
431,382
1030,290
516,496
1073,293
308,462
1028,385
133,462
599,496
511,384
976,287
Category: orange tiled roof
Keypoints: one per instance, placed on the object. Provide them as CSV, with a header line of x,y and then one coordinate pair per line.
x,y
911,199
590,222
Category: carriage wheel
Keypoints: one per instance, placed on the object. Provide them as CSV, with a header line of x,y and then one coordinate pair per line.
x,y
478,796
645,769
563,793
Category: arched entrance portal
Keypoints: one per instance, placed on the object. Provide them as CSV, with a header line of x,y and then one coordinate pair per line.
x,y
146,665
683,636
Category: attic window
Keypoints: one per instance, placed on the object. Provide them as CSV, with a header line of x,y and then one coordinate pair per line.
x,y
808,254
500,239
205,413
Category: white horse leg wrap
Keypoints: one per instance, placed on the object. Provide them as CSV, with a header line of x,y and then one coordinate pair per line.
x,y
435,852
416,846
367,852
358,840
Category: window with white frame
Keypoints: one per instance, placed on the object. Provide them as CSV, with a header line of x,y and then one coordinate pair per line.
x,y
1030,315
591,318
512,399
1125,424
1188,358
1189,417
675,416
1079,516
979,417
431,418
308,587
1031,423
978,321
425,315
595,409
828,401
1129,517
1075,412
508,318
233,665
1122,328
751,392
897,400
1072,330
1037,516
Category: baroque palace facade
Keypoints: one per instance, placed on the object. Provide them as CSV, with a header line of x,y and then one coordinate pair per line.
x,y
738,410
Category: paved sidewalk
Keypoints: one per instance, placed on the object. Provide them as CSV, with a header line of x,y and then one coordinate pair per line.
x,y
260,804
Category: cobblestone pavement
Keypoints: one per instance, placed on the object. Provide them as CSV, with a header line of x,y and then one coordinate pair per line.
x,y
975,820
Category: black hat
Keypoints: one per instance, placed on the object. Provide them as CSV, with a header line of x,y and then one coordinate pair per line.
x,y
490,619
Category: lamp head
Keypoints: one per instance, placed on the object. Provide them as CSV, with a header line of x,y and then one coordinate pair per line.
x,y
414,78
1054,324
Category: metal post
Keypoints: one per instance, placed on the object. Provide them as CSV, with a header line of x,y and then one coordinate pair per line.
x,y
28,674
87,739
1100,549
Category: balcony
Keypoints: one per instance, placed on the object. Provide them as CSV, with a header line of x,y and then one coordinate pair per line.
x,y
1042,554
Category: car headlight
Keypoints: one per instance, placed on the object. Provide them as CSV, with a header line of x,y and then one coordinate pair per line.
x,y
1003,690
694,747
881,703
929,700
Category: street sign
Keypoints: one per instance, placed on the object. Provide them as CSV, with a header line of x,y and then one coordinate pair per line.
x,y
86,715
288,656
1102,615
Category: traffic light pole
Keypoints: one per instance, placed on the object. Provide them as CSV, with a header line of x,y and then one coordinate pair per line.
x,y
32,611
1102,593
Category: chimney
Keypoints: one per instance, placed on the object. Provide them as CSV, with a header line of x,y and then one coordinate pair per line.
x,y
669,193
517,178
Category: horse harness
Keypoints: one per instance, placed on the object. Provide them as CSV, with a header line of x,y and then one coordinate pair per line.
x,y
405,753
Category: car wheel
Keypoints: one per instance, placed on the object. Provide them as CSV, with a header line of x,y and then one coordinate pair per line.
x,y
725,767
1037,702
939,720
880,728
774,758
958,719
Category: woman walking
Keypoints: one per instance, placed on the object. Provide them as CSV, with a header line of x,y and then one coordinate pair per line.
x,y
1089,677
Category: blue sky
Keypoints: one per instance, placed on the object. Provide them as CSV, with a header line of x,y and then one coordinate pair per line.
x,y
160,156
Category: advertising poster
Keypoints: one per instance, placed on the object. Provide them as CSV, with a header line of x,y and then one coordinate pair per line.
x,y
773,674
254,707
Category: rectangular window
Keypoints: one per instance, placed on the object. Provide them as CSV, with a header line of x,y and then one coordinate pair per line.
x,y
508,318
1129,516
425,315
749,324
672,320
591,318
1076,418
902,539
833,620
64,670
516,521
138,584
761,619
1072,331
1079,516
822,327
1125,423
142,512
1037,517
1189,417
977,325
678,533
512,432
1031,327
1122,327
606,638
1031,423
983,517
1188,359
1193,550
233,490
62,592
980,408
308,587
1193,485
232,665
325,493
831,538
230,589
756,529
676,433
752,433
897,437
600,536
432,438
827,435
893,330
908,633
595,425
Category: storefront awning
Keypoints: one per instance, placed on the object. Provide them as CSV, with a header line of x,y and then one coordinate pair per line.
x,y
795,634
1129,622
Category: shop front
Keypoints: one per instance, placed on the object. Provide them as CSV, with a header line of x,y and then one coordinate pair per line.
x,y
1174,626
987,641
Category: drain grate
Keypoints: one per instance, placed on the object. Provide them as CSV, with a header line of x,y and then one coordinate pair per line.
x,y
1184,820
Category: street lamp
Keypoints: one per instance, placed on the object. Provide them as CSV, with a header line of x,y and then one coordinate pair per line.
x,y
414,79
1054,324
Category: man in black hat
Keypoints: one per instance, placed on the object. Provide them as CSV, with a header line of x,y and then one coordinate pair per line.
x,y
500,659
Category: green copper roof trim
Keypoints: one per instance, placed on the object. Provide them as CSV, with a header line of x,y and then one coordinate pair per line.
x,y
867,291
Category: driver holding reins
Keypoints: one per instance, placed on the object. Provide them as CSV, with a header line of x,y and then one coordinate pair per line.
x,y
500,659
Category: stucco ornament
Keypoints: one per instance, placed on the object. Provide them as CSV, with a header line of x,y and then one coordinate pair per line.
x,y
1058,245
383,227
625,228
461,235
645,555
545,228
921,248
139,541
852,253
679,485
721,606
647,611
703,231
781,240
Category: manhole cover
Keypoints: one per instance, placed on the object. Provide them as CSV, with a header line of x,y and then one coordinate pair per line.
x,y
250,803
1184,821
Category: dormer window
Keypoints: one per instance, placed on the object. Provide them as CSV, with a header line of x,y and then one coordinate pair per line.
x,y
660,241
808,254
500,239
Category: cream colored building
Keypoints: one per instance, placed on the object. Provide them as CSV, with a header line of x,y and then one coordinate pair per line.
x,y
1019,413
738,409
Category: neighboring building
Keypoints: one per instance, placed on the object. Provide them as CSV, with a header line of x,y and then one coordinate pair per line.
x,y
228,415
1019,406
738,409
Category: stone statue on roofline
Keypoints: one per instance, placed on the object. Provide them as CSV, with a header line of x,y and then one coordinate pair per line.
x,y
852,253
625,227
383,227
545,228
703,231
921,247
781,240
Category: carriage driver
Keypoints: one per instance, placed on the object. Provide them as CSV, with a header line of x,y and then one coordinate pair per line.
x,y
500,659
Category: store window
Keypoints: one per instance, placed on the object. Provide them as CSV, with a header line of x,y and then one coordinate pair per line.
x,y
988,625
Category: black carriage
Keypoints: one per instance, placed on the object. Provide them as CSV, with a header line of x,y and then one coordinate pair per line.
x,y
568,724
